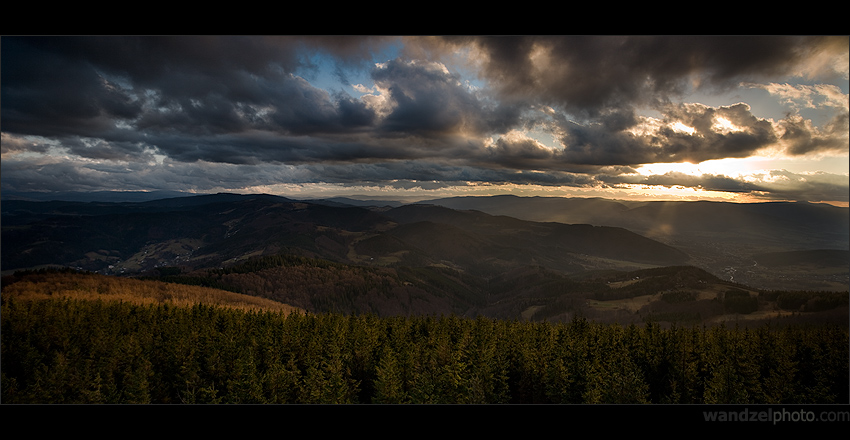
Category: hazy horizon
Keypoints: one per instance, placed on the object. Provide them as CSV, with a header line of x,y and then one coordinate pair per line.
x,y
139,196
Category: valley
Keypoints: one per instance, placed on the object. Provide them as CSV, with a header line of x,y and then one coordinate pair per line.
x,y
726,239
446,256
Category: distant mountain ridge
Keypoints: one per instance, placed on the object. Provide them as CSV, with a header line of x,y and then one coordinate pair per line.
x,y
718,236
218,229
826,223
409,259
92,196
484,234
602,241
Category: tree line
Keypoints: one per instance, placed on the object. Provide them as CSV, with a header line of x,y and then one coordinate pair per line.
x,y
74,351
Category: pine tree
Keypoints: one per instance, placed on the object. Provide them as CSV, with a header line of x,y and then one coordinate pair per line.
x,y
389,380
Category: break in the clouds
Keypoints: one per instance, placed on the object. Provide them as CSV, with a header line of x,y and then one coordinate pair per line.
x,y
236,113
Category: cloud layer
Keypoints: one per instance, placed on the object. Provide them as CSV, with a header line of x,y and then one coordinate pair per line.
x,y
204,113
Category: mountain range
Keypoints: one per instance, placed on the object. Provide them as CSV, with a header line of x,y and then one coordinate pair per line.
x,y
223,228
497,256
726,239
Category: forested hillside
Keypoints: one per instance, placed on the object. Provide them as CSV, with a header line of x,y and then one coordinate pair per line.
x,y
70,351
87,338
675,294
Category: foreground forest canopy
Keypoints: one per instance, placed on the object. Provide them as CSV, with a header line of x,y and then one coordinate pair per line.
x,y
63,350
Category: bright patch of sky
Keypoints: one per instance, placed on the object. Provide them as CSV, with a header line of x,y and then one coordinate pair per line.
x,y
326,72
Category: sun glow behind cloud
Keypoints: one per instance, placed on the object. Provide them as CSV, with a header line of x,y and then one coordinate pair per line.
x,y
730,167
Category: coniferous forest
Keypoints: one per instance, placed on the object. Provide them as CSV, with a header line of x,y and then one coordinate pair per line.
x,y
83,351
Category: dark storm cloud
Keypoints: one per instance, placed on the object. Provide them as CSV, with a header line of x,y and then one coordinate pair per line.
x,y
264,148
521,153
801,138
51,95
428,101
158,89
12,145
616,137
430,113
709,141
600,81
708,182
80,175
84,175
587,74
207,98
99,149
288,105
53,176
239,108
423,171
81,86
594,144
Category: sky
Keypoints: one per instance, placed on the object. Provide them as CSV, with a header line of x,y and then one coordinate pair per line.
x,y
731,118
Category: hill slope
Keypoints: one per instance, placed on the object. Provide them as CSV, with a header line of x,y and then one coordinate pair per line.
x,y
218,230
717,236
36,285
